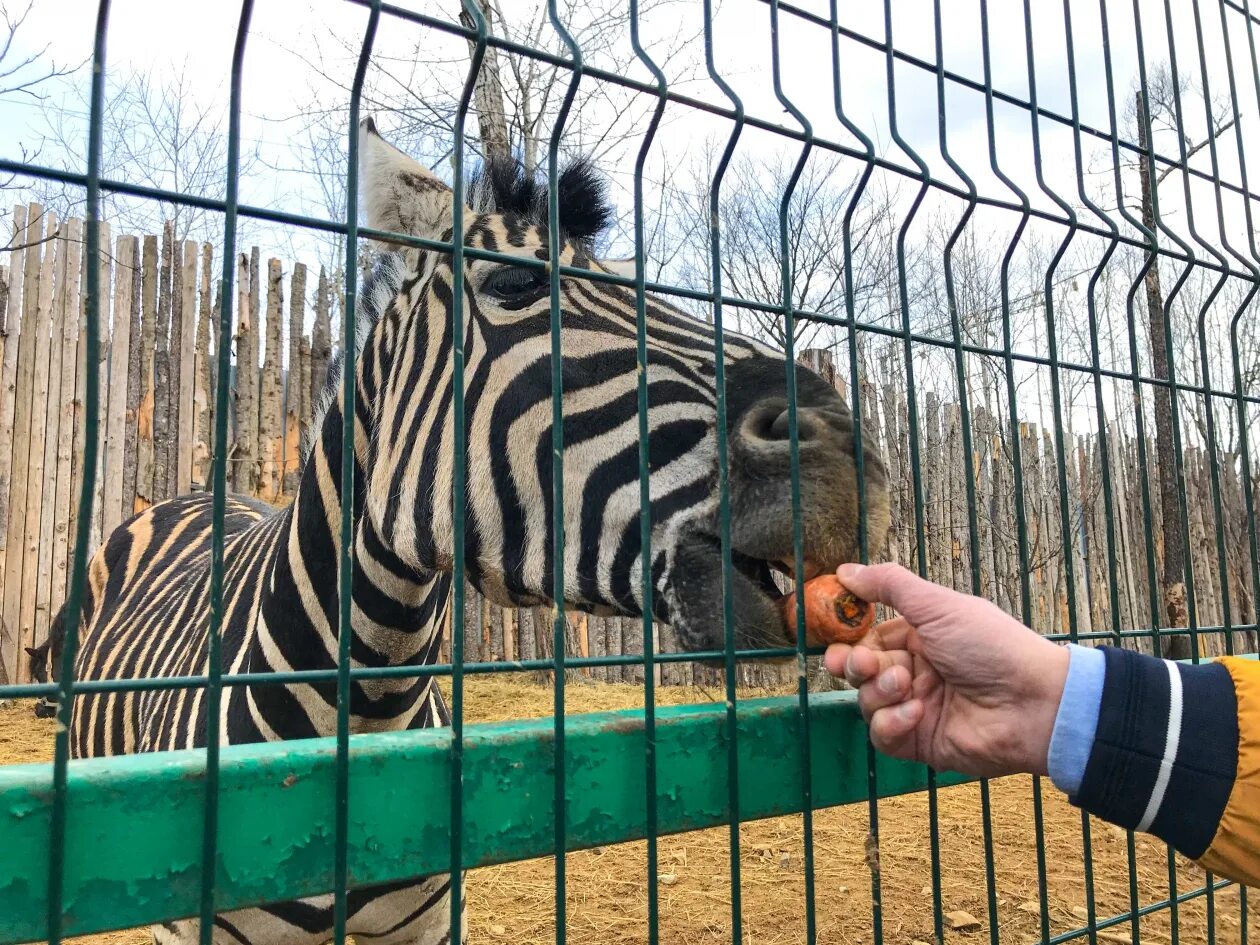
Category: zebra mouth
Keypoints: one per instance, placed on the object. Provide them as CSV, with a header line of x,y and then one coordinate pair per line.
x,y
757,587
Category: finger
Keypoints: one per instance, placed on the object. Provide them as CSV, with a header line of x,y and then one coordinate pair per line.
x,y
892,634
892,729
859,663
891,584
890,687
889,635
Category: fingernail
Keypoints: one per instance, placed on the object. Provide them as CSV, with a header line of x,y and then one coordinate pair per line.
x,y
846,571
905,712
888,682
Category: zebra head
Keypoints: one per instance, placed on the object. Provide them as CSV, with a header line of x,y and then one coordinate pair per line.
x,y
44,663
407,453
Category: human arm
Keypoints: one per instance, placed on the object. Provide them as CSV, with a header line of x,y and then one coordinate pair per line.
x,y
954,682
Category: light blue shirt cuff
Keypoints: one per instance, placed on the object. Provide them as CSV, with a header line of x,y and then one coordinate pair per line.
x,y
1077,719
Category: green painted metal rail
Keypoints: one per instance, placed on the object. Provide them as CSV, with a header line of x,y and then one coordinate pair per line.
x,y
276,836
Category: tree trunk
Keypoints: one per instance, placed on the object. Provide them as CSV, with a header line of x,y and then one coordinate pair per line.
x,y
1167,463
491,120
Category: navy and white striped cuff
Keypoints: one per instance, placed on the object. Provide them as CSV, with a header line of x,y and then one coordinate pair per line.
x,y
1165,751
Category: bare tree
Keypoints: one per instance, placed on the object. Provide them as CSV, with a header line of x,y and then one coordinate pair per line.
x,y
157,133
24,76
752,257
1158,110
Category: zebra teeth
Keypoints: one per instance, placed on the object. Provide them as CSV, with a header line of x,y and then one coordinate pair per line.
x,y
787,567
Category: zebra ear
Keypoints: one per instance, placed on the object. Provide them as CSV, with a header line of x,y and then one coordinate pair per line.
x,y
400,195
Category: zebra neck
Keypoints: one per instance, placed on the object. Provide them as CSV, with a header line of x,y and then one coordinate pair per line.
x,y
397,613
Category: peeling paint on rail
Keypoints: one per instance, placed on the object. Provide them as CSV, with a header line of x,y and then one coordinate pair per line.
x,y
133,843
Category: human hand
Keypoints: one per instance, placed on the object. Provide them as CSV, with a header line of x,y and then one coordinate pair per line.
x,y
952,681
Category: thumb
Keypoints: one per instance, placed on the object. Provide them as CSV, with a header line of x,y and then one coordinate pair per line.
x,y
891,584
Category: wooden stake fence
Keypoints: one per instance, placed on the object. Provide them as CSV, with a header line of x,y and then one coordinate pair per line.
x,y
157,379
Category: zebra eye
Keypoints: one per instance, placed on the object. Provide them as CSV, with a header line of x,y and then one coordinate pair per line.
x,y
514,284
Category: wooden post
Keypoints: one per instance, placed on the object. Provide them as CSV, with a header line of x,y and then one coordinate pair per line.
x,y
105,287
55,486
269,422
900,540
132,369
24,409
509,634
117,419
72,429
526,643
244,478
36,484
321,338
933,475
472,624
612,646
251,376
672,674
496,648
145,453
294,397
184,384
304,431
8,402
596,641
632,645
203,391
163,408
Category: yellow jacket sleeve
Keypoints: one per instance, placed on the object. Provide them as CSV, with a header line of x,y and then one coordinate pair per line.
x,y
1235,849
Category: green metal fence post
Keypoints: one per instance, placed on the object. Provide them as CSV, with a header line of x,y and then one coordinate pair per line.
x,y
91,417
645,493
214,668
724,492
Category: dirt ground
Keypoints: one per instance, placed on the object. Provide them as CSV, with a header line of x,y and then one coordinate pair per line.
x,y
607,902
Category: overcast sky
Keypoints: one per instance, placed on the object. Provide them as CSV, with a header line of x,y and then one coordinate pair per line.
x,y
145,35
279,83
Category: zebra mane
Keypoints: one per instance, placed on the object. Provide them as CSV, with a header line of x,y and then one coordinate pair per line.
x,y
504,186
496,186
377,291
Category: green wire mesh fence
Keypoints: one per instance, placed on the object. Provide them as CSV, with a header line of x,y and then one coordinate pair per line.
x,y
823,758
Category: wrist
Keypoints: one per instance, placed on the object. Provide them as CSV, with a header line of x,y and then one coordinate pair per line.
x,y
1047,677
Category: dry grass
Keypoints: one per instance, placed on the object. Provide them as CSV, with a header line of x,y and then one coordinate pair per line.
x,y
607,901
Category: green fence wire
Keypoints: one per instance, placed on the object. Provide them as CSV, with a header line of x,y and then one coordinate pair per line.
x,y
1077,214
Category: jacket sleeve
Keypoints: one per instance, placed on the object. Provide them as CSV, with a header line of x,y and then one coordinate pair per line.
x,y
1176,753
1235,848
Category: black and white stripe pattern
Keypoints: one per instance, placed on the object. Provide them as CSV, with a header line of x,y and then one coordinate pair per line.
x,y
146,610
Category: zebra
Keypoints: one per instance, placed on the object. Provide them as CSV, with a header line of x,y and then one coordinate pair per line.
x,y
45,661
146,602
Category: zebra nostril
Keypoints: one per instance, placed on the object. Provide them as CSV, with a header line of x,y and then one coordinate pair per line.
x,y
778,429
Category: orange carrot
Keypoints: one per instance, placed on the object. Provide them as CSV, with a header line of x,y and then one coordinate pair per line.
x,y
833,613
